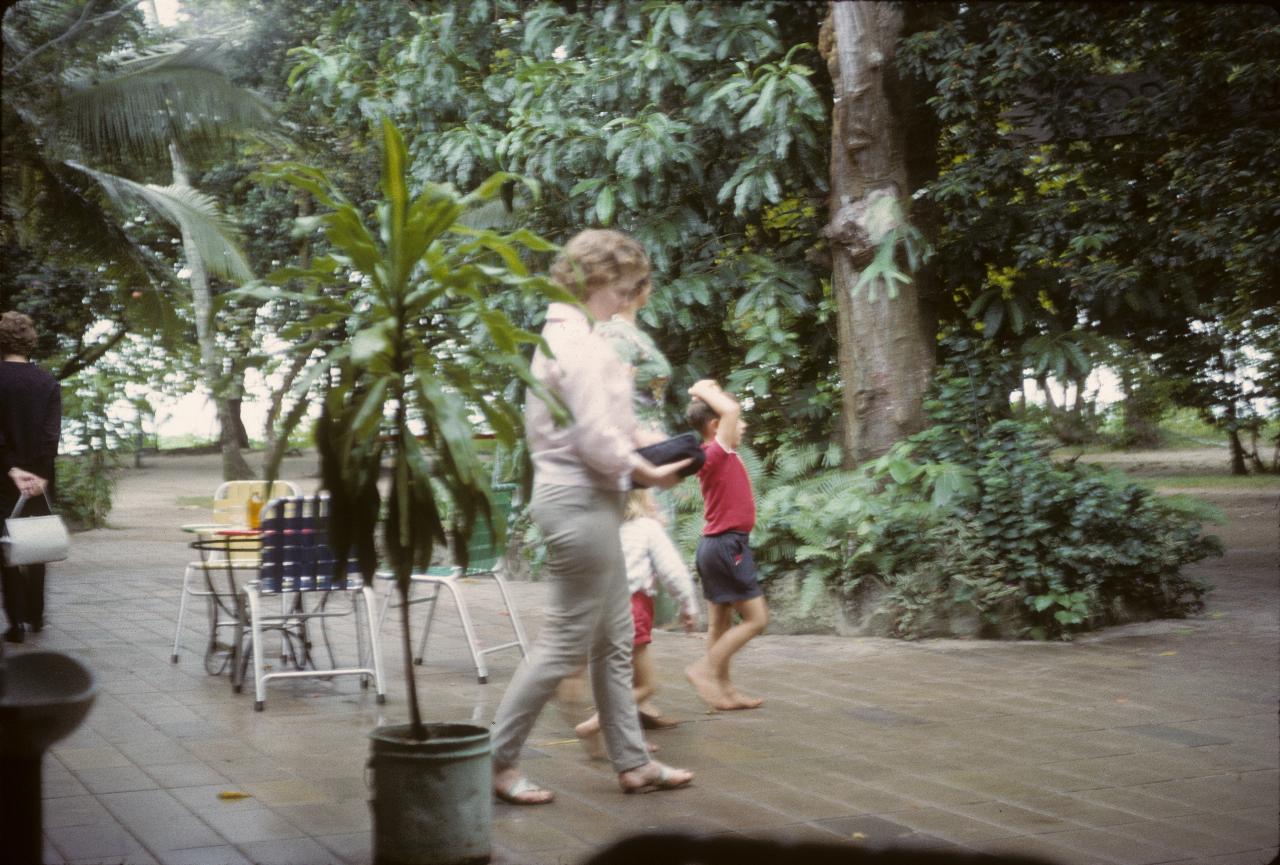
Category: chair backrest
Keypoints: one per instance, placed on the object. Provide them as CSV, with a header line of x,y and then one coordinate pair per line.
x,y
483,550
232,498
295,548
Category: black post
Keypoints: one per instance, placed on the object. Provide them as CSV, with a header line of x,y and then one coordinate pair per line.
x,y
21,819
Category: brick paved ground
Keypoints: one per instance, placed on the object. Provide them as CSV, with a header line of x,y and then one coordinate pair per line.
x,y
1155,743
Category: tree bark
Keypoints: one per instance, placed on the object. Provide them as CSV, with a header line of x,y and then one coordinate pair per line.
x,y
234,466
1238,466
885,350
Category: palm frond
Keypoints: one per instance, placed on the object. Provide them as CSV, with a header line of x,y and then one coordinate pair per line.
x,y
179,95
46,201
192,211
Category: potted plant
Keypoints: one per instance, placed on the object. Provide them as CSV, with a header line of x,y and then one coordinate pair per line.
x,y
426,349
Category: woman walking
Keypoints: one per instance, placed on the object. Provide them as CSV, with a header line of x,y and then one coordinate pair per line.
x,y
582,471
30,423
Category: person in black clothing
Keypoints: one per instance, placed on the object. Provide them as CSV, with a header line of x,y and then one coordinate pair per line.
x,y
30,424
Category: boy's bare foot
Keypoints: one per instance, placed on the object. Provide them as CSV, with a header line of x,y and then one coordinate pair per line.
x,y
742,701
709,688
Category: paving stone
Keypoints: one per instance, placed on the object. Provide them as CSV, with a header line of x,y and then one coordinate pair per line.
x,y
251,824
106,757
292,851
1039,846
160,821
1254,857
1111,846
1179,837
184,775
83,810
355,848
1015,818
879,833
1074,809
1231,792
220,855
950,825
1190,738
1136,801
107,839
115,780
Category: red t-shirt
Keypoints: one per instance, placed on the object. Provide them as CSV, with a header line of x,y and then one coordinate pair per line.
x,y
728,503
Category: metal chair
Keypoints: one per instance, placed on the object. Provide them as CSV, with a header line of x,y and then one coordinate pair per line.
x,y
230,501
484,560
296,559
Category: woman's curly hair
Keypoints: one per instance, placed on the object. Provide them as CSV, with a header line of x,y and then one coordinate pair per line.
x,y
17,334
598,258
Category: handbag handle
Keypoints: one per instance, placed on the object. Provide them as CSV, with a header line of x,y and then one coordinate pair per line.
x,y
22,500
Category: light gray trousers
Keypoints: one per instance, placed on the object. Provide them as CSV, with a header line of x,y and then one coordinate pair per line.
x,y
588,620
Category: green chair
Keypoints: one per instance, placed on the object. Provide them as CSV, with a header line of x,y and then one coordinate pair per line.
x,y
484,560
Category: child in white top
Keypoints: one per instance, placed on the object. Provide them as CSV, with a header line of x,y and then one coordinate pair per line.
x,y
651,558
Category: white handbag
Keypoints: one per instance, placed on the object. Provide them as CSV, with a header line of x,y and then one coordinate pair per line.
x,y
34,540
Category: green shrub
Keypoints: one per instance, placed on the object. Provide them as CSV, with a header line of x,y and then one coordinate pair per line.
x,y
85,487
972,517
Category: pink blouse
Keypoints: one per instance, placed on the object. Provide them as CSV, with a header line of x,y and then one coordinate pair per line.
x,y
596,449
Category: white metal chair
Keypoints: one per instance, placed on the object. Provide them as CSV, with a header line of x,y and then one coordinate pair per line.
x,y
484,560
230,502
296,559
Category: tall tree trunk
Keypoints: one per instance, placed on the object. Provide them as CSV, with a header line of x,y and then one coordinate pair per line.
x,y
885,351
1238,466
234,466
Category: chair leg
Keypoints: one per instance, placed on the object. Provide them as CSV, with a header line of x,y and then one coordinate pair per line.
x,y
356,612
511,612
182,611
255,646
431,615
379,687
386,602
284,640
482,672
237,649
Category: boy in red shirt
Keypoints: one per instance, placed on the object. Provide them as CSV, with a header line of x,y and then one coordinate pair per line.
x,y
724,560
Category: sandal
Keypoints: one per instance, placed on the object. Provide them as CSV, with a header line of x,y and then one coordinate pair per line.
x,y
517,792
668,779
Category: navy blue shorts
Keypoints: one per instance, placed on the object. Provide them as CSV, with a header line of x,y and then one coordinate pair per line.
x,y
727,571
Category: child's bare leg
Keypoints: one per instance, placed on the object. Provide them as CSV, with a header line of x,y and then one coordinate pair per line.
x,y
702,673
755,616
645,681
644,686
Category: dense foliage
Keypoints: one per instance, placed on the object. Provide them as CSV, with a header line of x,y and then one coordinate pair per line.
x,y
701,128
970,527
1157,223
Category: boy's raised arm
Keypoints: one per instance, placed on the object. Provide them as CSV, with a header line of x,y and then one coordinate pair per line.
x,y
726,408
